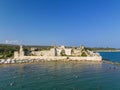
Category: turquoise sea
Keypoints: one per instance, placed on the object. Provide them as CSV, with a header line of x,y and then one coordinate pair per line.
x,y
72,75
111,56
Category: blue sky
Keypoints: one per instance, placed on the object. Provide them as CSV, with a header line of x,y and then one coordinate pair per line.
x,y
94,23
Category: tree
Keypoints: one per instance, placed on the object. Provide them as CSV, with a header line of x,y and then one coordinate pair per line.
x,y
62,52
84,54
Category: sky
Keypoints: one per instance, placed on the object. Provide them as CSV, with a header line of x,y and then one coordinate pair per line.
x,y
93,23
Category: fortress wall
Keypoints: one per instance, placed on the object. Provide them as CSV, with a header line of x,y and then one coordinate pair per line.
x,y
95,58
86,58
43,57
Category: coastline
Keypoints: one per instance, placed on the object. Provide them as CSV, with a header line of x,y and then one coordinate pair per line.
x,y
32,59
45,61
37,61
59,61
106,50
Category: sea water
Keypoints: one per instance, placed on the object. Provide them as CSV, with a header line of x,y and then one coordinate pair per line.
x,y
60,75
111,56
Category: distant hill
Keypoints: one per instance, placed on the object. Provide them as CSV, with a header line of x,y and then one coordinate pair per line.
x,y
106,49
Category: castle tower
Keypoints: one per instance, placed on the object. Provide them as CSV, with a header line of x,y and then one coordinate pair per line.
x,y
16,55
53,52
82,47
21,52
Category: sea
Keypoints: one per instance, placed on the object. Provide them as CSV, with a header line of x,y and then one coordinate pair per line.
x,y
62,75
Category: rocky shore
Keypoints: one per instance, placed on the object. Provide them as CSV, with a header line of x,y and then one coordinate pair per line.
x,y
40,59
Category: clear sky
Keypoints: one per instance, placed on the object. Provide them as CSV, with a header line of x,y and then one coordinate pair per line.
x,y
94,23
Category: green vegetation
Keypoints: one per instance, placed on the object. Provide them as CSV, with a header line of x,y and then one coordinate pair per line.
x,y
83,54
67,57
38,48
7,51
62,53
100,48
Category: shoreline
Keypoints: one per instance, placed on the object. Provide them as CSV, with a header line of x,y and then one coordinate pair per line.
x,y
61,61
106,50
21,62
31,59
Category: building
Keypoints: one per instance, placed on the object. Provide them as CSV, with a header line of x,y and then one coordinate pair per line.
x,y
19,53
59,53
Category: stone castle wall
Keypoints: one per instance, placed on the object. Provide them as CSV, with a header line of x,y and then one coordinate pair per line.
x,y
54,54
62,58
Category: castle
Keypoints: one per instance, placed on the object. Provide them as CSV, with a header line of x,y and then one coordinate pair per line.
x,y
57,53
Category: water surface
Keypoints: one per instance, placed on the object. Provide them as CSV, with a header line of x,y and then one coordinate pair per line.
x,y
71,75
111,56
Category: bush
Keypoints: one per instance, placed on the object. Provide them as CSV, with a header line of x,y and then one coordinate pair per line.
x,y
63,53
83,54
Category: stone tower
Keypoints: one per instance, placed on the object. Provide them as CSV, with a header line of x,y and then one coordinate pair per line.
x,y
16,55
53,52
21,52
